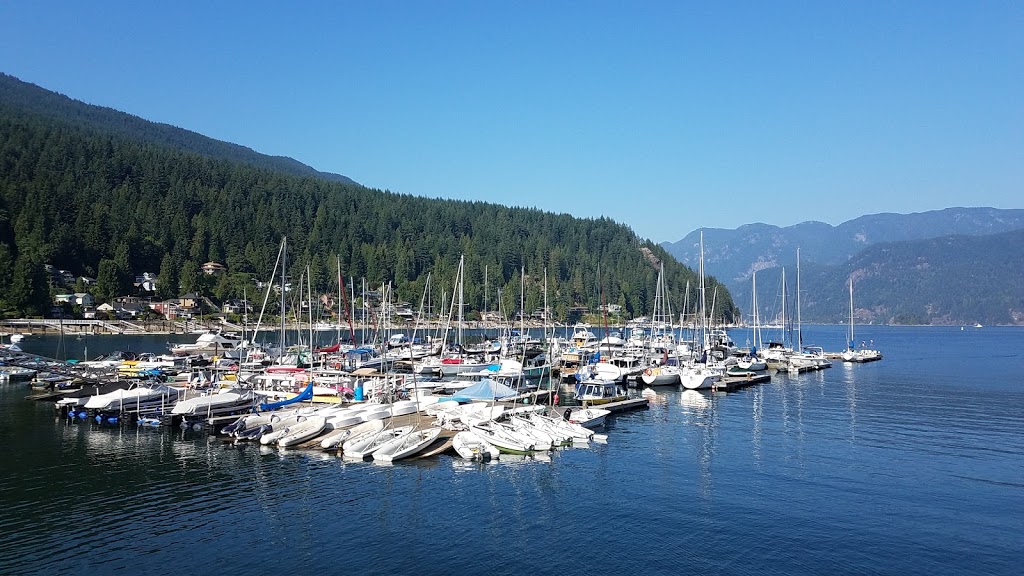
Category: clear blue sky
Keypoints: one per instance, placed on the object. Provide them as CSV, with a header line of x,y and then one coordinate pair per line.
x,y
667,116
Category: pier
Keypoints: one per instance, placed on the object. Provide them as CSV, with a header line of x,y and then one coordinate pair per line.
x,y
733,383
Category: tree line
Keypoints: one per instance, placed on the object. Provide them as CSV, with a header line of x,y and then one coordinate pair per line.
x,y
102,205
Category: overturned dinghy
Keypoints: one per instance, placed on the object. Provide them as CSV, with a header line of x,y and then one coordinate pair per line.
x,y
308,429
359,447
338,436
407,445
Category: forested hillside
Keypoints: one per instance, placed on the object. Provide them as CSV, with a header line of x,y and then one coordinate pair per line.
x,y
22,98
96,202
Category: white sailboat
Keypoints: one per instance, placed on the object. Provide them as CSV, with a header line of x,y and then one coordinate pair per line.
x,y
700,375
852,354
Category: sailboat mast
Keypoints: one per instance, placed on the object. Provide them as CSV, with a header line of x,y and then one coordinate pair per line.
x,y
703,297
284,276
850,347
462,262
799,336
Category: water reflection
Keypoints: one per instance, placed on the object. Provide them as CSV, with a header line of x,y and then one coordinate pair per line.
x,y
757,415
693,402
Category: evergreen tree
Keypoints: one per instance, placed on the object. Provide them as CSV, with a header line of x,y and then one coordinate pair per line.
x,y
167,279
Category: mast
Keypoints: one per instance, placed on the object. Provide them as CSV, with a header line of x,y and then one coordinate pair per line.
x,y
703,298
850,347
460,280
784,317
799,336
757,325
284,276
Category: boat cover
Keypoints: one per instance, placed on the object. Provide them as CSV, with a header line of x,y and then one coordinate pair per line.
x,y
306,394
485,389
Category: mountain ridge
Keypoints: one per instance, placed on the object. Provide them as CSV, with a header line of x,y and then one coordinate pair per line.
x,y
949,280
28,98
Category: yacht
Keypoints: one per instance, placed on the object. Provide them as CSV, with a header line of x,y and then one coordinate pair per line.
x,y
210,343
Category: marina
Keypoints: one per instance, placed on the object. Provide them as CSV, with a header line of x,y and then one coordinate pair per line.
x,y
826,464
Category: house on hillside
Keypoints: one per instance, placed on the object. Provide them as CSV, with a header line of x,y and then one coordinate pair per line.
x,y
77,299
145,283
213,268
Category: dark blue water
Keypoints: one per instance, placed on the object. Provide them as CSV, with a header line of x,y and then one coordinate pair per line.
x,y
912,465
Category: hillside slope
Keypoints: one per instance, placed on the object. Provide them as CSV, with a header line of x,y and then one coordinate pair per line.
x,y
18,97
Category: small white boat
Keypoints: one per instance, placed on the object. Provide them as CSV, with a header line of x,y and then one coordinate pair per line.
x,y
366,444
503,438
407,445
471,446
576,432
588,417
308,429
279,428
375,412
338,436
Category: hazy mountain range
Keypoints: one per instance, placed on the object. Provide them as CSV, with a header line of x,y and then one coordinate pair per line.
x,y
952,266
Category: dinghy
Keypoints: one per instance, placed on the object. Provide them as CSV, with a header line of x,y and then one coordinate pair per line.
x,y
472,446
338,436
407,445
308,429
366,444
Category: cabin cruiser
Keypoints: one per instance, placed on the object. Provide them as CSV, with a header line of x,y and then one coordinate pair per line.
x,y
211,343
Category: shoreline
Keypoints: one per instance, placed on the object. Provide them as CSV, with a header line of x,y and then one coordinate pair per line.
x,y
35,326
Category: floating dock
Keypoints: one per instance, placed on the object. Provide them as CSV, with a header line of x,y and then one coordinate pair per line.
x,y
731,383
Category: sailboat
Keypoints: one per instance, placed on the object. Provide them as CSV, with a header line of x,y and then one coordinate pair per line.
x,y
700,375
662,374
751,362
852,354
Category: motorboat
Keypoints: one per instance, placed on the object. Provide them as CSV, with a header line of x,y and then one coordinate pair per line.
x,y
224,402
210,343
599,391
141,398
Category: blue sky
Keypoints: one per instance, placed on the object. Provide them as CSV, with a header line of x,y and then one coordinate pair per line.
x,y
667,116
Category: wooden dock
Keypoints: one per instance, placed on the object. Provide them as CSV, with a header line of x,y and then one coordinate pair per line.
x,y
620,406
731,383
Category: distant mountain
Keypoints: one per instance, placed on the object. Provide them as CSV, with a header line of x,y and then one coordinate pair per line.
x,y
732,255
947,280
25,98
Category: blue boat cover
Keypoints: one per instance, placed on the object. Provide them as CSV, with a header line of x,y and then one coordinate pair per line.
x,y
485,389
302,397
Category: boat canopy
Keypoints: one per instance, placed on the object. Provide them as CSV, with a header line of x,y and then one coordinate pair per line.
x,y
485,389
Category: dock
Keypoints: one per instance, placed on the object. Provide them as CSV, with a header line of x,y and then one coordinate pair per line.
x,y
732,383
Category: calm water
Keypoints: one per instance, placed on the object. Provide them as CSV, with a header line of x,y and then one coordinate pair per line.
x,y
914,465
